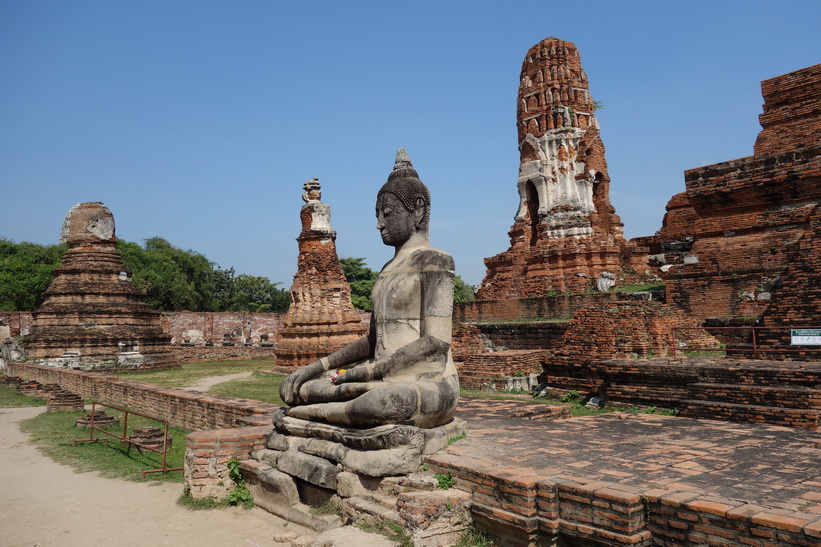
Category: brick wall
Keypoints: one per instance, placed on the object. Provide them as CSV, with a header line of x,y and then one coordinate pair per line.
x,y
524,336
732,234
518,309
182,408
200,328
207,454
791,119
19,322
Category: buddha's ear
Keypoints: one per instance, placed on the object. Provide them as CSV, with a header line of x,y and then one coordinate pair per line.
x,y
419,212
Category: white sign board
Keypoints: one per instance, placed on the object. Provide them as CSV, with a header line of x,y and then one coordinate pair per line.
x,y
805,337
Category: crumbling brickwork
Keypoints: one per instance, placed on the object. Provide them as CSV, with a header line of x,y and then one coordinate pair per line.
x,y
728,239
617,330
92,313
321,318
797,302
16,323
566,233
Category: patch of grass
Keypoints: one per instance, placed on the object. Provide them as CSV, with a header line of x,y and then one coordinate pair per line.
x,y
190,373
390,530
240,496
472,537
445,480
457,438
9,398
259,387
332,506
199,504
54,432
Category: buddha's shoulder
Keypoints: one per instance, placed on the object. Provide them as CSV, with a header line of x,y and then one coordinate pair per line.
x,y
429,257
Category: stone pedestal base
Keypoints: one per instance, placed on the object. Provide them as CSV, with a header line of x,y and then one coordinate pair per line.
x,y
316,452
369,474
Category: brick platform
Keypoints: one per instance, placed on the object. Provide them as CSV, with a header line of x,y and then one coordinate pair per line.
x,y
636,479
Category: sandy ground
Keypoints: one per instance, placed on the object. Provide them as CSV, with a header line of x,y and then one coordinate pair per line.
x,y
43,503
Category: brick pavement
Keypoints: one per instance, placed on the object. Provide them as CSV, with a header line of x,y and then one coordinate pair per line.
x,y
635,479
767,465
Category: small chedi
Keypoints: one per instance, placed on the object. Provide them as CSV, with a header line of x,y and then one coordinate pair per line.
x,y
376,406
567,235
92,314
321,318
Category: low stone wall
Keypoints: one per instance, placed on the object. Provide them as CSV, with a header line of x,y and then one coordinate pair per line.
x,y
182,408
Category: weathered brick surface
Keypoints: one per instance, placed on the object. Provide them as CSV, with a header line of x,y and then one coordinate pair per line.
x,y
797,303
18,322
321,318
566,232
562,306
611,481
791,119
492,367
207,454
742,226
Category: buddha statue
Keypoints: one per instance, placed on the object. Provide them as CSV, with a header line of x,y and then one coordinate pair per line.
x,y
402,372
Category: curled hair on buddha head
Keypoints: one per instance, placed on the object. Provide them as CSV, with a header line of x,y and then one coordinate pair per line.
x,y
404,183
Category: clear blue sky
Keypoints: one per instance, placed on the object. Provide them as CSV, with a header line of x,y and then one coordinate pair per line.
x,y
199,121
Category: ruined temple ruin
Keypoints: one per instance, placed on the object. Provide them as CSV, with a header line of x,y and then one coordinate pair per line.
x,y
321,318
566,235
744,234
92,314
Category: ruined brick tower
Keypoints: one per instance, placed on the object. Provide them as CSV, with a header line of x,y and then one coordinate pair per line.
x,y
566,233
93,315
321,318
743,236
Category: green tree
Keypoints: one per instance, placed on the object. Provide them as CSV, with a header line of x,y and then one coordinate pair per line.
x,y
361,279
462,292
171,278
249,293
25,272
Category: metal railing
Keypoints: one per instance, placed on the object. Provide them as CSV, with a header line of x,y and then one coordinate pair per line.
x,y
125,440
755,340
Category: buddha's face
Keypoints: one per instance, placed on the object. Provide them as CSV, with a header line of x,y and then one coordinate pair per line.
x,y
393,220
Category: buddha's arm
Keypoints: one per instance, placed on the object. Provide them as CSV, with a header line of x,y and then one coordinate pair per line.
x,y
354,352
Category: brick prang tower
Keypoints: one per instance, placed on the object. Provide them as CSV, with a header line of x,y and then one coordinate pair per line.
x,y
321,318
566,233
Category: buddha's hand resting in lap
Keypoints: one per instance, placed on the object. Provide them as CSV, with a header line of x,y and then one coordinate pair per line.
x,y
289,389
356,374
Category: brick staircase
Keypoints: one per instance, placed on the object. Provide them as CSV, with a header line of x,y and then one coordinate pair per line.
x,y
772,398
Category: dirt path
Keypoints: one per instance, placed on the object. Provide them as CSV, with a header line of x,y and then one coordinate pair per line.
x,y
204,384
43,503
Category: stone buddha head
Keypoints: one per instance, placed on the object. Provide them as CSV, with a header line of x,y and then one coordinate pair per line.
x,y
402,204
